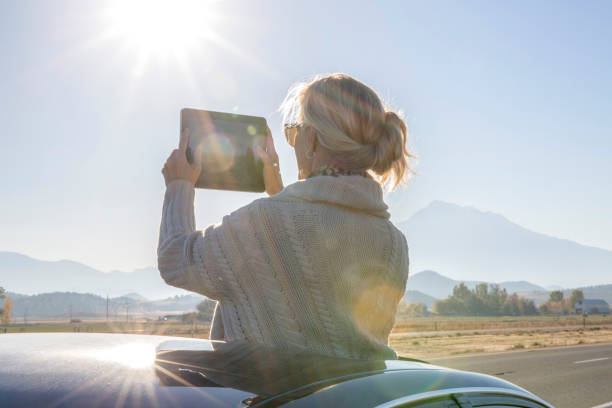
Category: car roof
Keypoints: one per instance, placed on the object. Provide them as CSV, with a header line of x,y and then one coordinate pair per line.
x,y
73,369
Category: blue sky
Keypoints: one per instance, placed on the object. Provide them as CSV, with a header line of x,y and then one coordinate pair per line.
x,y
508,104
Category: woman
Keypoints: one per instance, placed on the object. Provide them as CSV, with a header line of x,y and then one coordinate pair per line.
x,y
317,266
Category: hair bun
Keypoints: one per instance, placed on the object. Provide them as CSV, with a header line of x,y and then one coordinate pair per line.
x,y
391,145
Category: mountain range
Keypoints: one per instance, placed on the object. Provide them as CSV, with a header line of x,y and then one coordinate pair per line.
x,y
22,274
85,305
438,286
429,286
462,243
465,243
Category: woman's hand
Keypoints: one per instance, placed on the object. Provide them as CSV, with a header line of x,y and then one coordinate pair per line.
x,y
272,176
177,166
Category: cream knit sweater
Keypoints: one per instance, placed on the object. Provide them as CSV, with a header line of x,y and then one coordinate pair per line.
x,y
317,267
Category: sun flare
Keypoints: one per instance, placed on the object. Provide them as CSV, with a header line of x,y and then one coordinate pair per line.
x,y
133,355
162,28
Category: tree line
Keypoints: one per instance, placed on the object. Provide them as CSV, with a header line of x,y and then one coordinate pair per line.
x,y
484,300
491,300
556,304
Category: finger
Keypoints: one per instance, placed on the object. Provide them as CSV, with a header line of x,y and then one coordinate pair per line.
x,y
184,141
262,154
176,153
197,157
270,141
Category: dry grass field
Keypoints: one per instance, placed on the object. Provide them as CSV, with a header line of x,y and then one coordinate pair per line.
x,y
430,337
405,324
422,338
425,347
160,328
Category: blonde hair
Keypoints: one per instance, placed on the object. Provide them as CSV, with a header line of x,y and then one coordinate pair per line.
x,y
353,124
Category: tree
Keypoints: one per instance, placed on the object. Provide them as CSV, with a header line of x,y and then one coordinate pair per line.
x,y
484,300
6,312
461,291
417,309
576,296
449,307
2,296
206,309
556,296
189,318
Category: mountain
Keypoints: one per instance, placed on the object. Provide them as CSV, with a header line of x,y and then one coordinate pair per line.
x,y
87,305
464,243
440,287
414,296
594,292
469,244
136,296
22,274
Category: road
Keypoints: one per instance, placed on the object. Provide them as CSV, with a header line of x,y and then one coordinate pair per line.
x,y
567,377
500,330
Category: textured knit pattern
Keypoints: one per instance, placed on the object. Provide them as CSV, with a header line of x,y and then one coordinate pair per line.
x,y
317,267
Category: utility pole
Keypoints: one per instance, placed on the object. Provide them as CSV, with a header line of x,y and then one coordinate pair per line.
x,y
70,312
127,310
107,307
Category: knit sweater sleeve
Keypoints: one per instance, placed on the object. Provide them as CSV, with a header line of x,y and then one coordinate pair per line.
x,y
187,258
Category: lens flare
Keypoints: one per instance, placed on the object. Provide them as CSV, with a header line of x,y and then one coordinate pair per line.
x,y
133,355
218,153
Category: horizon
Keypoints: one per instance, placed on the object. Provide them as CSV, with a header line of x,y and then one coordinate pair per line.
x,y
397,222
507,106
438,210
182,293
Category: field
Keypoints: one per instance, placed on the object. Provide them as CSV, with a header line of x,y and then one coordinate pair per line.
x,y
422,338
425,324
154,327
429,346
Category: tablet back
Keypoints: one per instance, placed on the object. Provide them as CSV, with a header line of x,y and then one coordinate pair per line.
x,y
228,140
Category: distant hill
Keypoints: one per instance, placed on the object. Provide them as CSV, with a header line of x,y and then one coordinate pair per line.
x,y
590,292
438,286
595,292
466,243
86,305
414,296
136,296
22,274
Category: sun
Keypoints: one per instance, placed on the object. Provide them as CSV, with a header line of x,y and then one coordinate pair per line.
x,y
161,28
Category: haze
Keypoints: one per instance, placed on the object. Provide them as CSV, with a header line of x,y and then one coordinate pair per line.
x,y
508,104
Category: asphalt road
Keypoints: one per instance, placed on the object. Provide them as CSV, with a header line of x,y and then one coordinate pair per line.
x,y
500,330
567,377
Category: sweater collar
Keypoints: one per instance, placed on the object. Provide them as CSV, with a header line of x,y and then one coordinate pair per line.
x,y
356,193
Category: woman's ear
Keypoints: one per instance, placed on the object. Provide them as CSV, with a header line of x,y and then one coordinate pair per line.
x,y
311,139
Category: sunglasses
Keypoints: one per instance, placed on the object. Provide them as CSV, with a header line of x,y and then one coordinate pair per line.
x,y
291,132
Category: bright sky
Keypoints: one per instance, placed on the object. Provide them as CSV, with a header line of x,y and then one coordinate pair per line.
x,y
508,103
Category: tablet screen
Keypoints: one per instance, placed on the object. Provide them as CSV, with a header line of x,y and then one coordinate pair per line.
x,y
228,141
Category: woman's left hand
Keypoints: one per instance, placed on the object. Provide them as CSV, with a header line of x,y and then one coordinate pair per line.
x,y
177,166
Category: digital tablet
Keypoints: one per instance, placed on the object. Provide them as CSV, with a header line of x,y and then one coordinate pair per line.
x,y
228,140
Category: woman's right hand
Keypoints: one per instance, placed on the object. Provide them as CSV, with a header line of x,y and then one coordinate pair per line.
x,y
272,176
177,166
